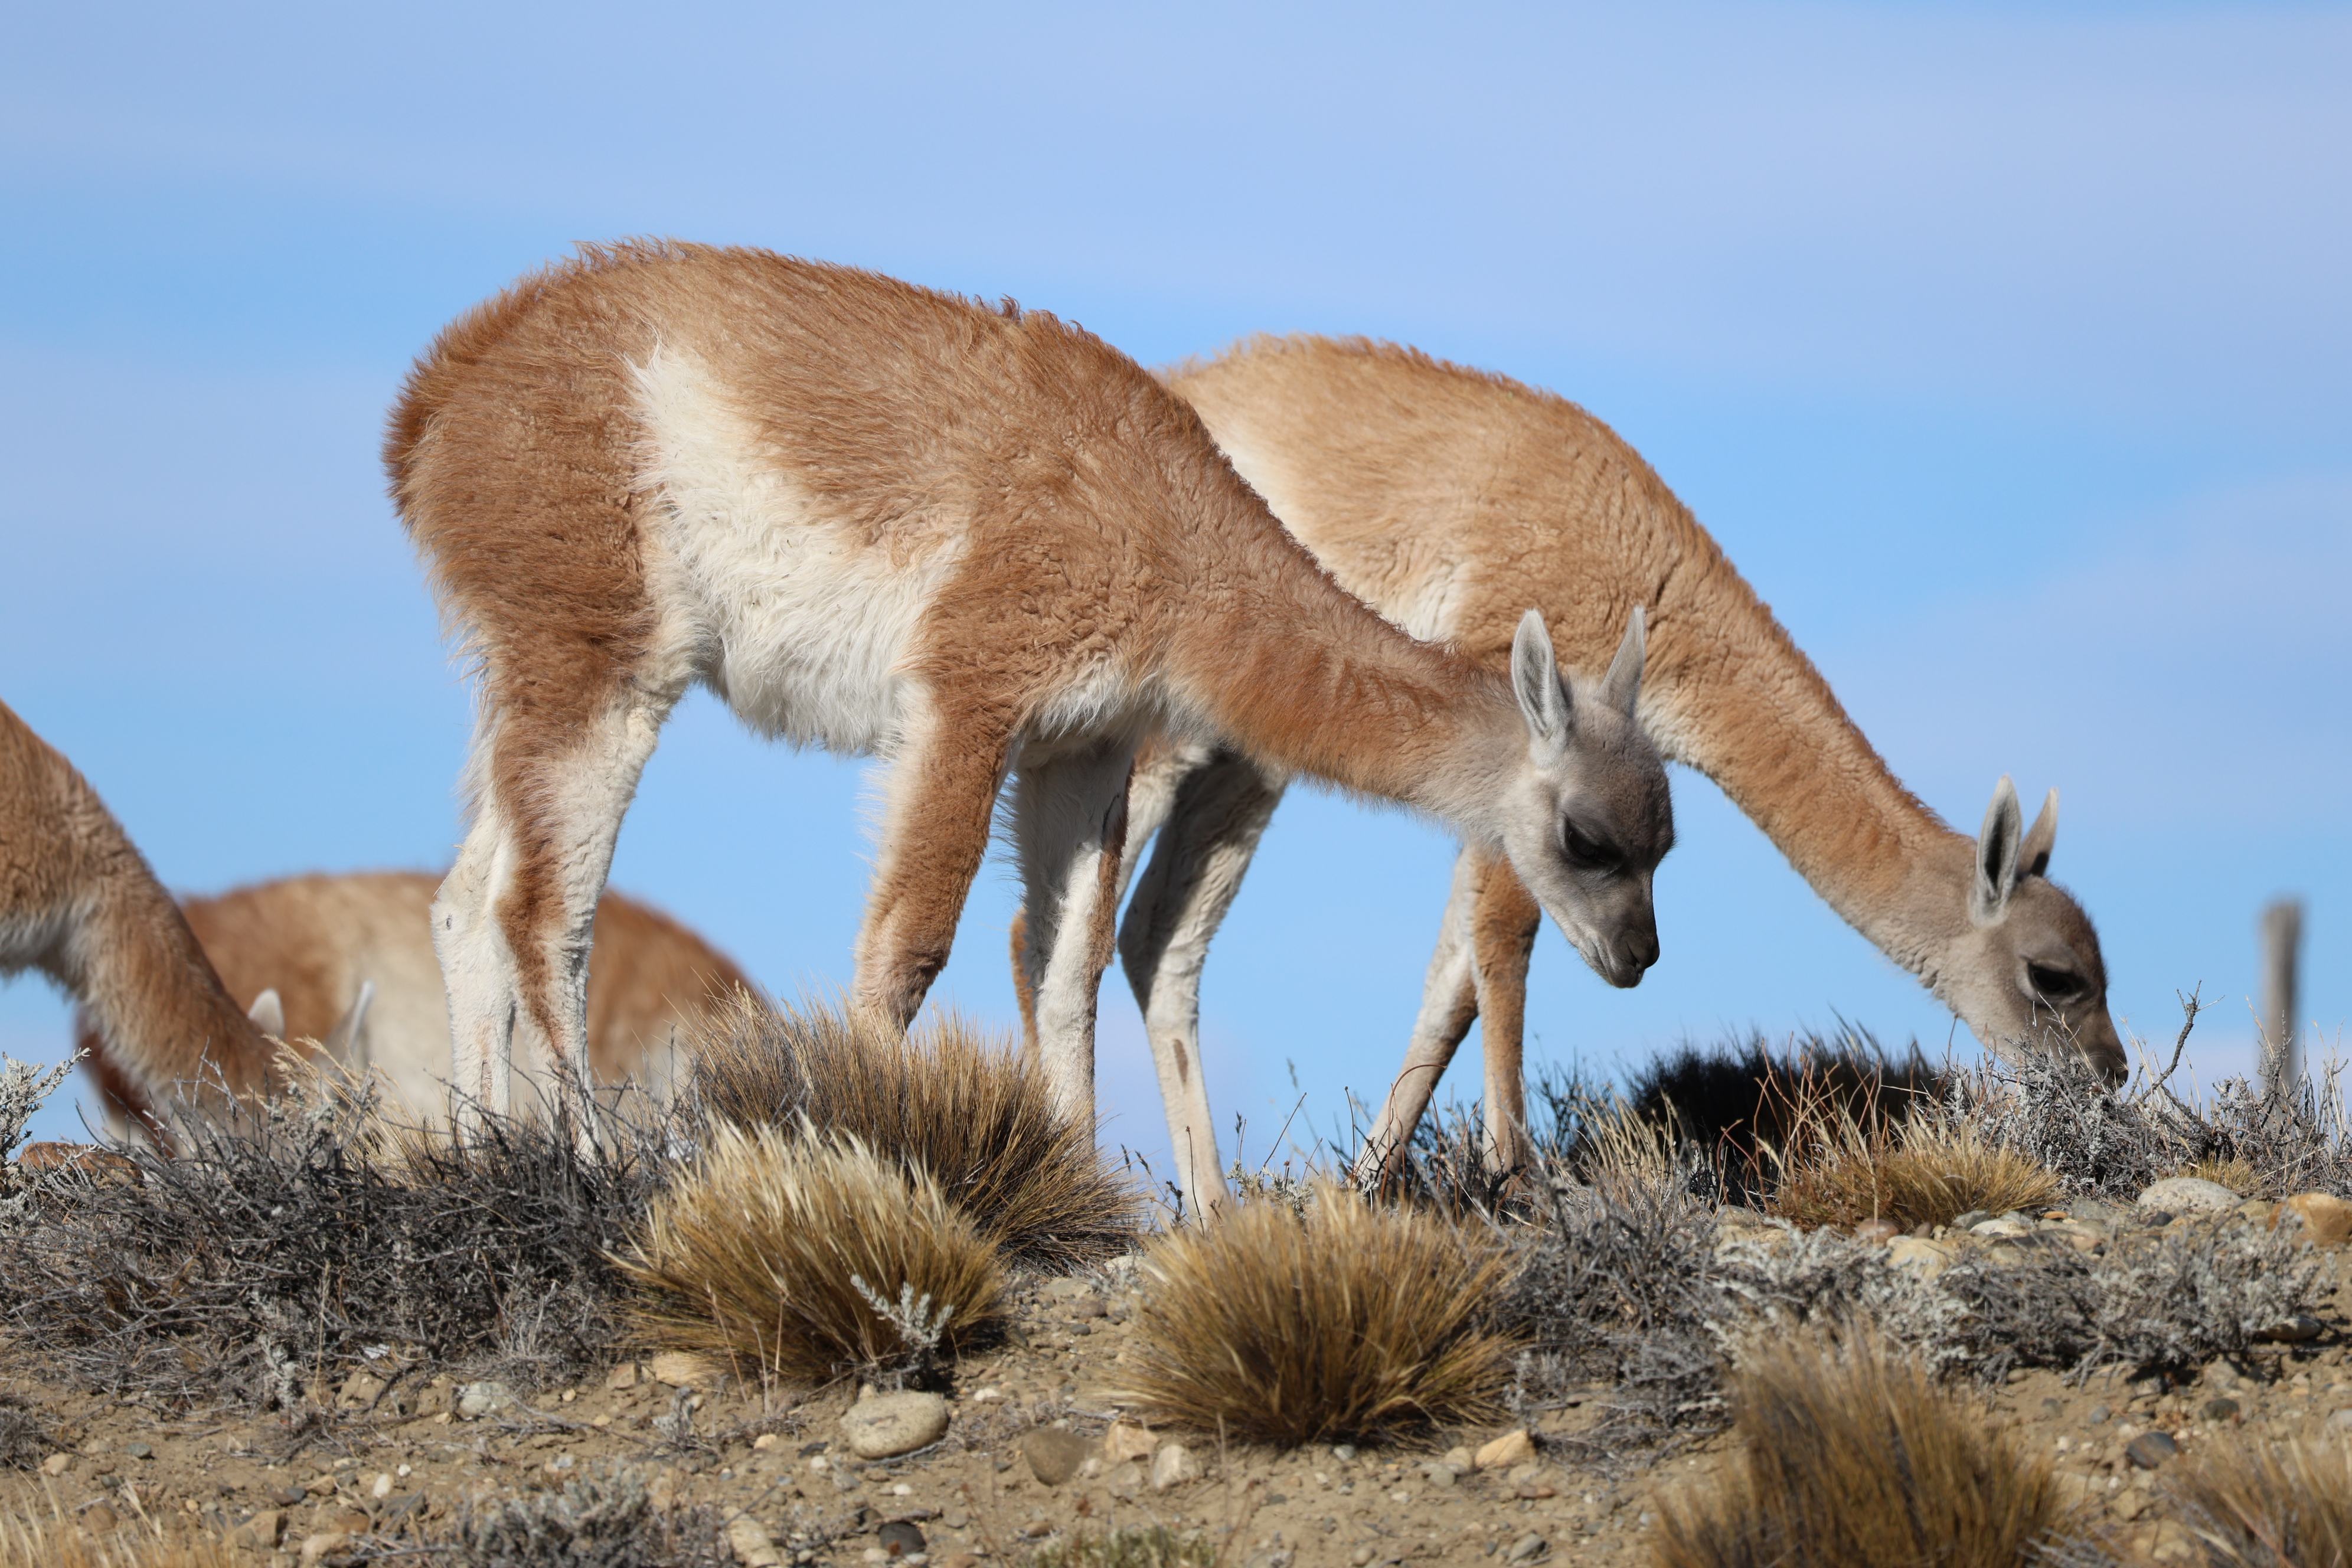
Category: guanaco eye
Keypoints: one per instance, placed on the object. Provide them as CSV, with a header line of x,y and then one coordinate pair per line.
x,y
1584,851
2054,985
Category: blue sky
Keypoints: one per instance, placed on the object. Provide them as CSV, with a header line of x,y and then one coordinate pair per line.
x,y
2007,349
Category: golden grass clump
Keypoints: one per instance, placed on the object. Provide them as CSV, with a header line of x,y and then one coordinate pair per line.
x,y
1929,1170
2233,1173
810,1257
944,1099
1854,1458
29,1541
2265,1505
1345,1320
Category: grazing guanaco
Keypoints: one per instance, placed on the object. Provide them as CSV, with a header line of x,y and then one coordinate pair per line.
x,y
976,541
1449,500
79,905
317,940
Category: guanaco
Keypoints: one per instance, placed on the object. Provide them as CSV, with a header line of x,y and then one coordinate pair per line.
x,y
316,941
976,541
1448,500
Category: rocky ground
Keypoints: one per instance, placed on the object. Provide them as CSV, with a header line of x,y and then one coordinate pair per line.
x,y
1031,1449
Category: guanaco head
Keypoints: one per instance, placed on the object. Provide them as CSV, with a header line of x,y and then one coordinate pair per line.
x,y
1588,817
2028,971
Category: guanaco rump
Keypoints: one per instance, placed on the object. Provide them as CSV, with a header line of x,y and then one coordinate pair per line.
x,y
316,941
78,904
975,541
1449,500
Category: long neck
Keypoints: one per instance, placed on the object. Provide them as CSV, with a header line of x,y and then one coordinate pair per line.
x,y
1268,649
158,1010
1726,691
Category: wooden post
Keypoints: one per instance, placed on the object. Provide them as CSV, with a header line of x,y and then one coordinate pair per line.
x,y
2282,1040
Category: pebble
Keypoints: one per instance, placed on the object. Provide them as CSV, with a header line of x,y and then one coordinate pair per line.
x,y
901,1538
2150,1449
2220,1409
1527,1548
139,1451
2008,1224
1126,1441
1172,1465
622,1376
1054,1454
1511,1449
889,1425
684,1369
1920,1255
2341,1421
479,1399
1343,1452
2324,1217
317,1549
2188,1195
99,1519
2295,1330
1879,1230
56,1465
260,1532
751,1544
2100,1416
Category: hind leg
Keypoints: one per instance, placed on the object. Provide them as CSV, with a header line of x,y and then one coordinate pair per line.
x,y
512,923
1069,826
1502,938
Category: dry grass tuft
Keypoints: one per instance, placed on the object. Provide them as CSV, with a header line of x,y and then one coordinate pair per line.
x,y
946,1100
1928,1170
2269,1506
1854,1458
1347,1321
27,1539
1132,1546
2231,1172
811,1257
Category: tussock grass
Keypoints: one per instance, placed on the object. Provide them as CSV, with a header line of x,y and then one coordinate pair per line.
x,y
945,1100
811,1257
1345,1321
1924,1171
28,1540
2263,1505
1854,1458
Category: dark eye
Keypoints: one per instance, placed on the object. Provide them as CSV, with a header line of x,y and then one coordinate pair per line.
x,y
1583,850
2056,984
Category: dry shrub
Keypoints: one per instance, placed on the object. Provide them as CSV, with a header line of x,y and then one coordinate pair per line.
x,y
811,1257
1347,1321
2260,1505
606,1519
1853,1457
29,1541
1129,1546
1925,1171
944,1099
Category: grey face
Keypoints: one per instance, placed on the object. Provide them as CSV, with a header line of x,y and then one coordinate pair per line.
x,y
1592,817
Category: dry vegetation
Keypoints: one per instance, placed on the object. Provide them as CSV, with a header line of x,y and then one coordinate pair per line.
x,y
1345,1321
2271,1505
947,1101
52,1541
810,1258
1927,1170
1853,1457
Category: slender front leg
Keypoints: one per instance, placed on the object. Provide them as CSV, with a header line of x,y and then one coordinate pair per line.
x,y
1214,817
934,835
1069,826
1503,938
1449,1005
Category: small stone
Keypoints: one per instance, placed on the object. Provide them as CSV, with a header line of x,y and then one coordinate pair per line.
x,y
56,1465
1973,1219
2188,1195
359,1391
622,1376
2127,1505
1461,1458
1361,1557
1172,1465
749,1541
344,1521
1441,1475
1919,1256
2008,1224
1511,1449
2325,1219
2293,1331
99,1519
889,1425
901,1538
2220,1409
684,1369
382,1487
1526,1549
765,1441
317,1549
1127,1441
1877,1230
1054,1454
476,1400
2341,1421
2100,1416
260,1532
1343,1452
1069,1287
139,1451
2150,1449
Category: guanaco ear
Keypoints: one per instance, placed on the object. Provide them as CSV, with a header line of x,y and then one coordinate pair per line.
x,y
346,1032
1535,680
267,1014
2033,855
1996,849
1621,687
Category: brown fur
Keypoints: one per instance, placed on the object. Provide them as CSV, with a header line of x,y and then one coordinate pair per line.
x,y
1441,494
78,904
1100,536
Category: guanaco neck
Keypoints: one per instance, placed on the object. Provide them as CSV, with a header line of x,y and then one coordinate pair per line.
x,y
152,998
1726,692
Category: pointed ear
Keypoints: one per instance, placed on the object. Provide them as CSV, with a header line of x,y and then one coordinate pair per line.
x,y
267,1014
2033,855
1535,680
1621,687
346,1032
1997,846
